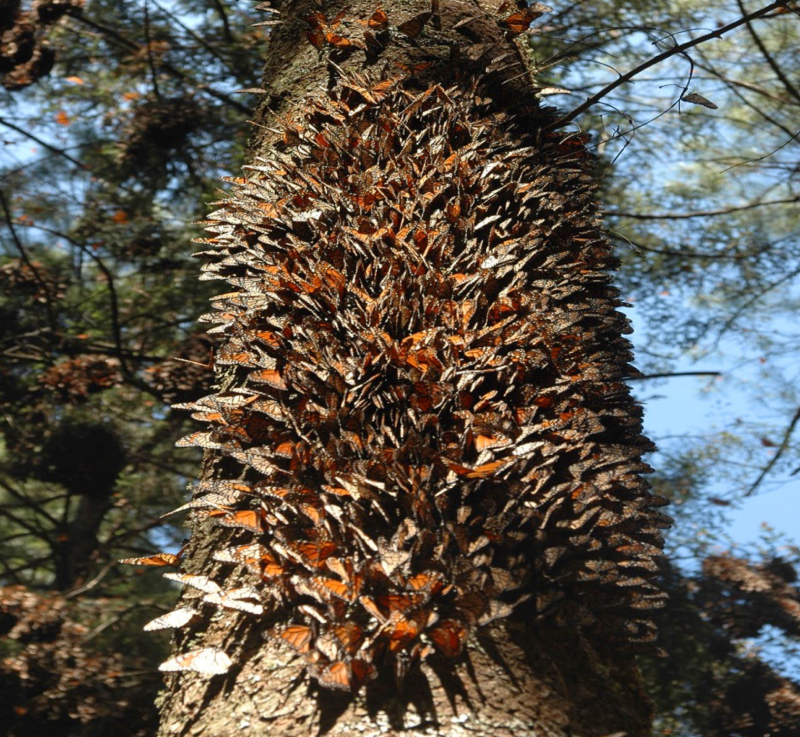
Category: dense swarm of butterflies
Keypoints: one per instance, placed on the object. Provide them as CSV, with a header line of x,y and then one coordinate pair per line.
x,y
429,406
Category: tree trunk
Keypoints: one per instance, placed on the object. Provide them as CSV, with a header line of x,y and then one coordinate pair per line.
x,y
526,672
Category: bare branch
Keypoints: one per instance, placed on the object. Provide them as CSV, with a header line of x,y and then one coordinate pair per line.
x,y
671,374
790,88
42,143
698,213
778,453
679,49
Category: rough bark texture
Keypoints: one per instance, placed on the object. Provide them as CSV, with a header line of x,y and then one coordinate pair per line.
x,y
524,675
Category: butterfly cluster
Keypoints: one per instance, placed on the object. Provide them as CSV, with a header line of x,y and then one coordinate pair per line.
x,y
25,55
427,401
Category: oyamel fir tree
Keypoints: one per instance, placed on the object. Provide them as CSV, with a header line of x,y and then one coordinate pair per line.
x,y
421,508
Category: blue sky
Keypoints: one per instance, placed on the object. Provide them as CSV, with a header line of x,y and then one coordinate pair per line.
x,y
690,406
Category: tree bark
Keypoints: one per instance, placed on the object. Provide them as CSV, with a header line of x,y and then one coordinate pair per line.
x,y
523,675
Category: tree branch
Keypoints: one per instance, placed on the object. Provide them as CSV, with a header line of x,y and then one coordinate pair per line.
x,y
698,213
42,143
670,374
790,88
679,49
177,73
778,453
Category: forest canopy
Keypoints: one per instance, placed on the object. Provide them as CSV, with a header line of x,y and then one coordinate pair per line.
x,y
119,120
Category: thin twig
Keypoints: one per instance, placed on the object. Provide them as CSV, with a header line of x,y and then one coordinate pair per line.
x,y
679,49
670,374
778,453
697,213
787,83
46,145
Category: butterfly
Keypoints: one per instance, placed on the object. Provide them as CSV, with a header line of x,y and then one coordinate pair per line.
x,y
268,376
471,606
448,637
208,661
236,599
203,583
346,676
403,632
202,440
157,559
414,26
428,582
399,604
176,618
310,554
696,99
350,636
299,636
348,592
246,519
378,20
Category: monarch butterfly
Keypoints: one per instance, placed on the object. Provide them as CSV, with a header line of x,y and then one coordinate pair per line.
x,y
268,376
427,582
448,637
414,26
257,459
208,661
696,99
176,618
202,439
246,519
395,604
203,583
496,610
378,20
299,636
230,600
340,42
391,560
314,513
234,355
316,38
310,554
343,675
471,606
331,586
482,442
350,636
158,559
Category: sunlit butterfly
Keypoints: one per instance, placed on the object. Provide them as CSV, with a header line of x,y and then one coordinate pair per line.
x,y
299,636
237,599
157,559
207,661
268,376
203,583
207,440
176,618
246,519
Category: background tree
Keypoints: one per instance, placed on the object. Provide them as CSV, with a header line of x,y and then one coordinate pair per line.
x,y
99,299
